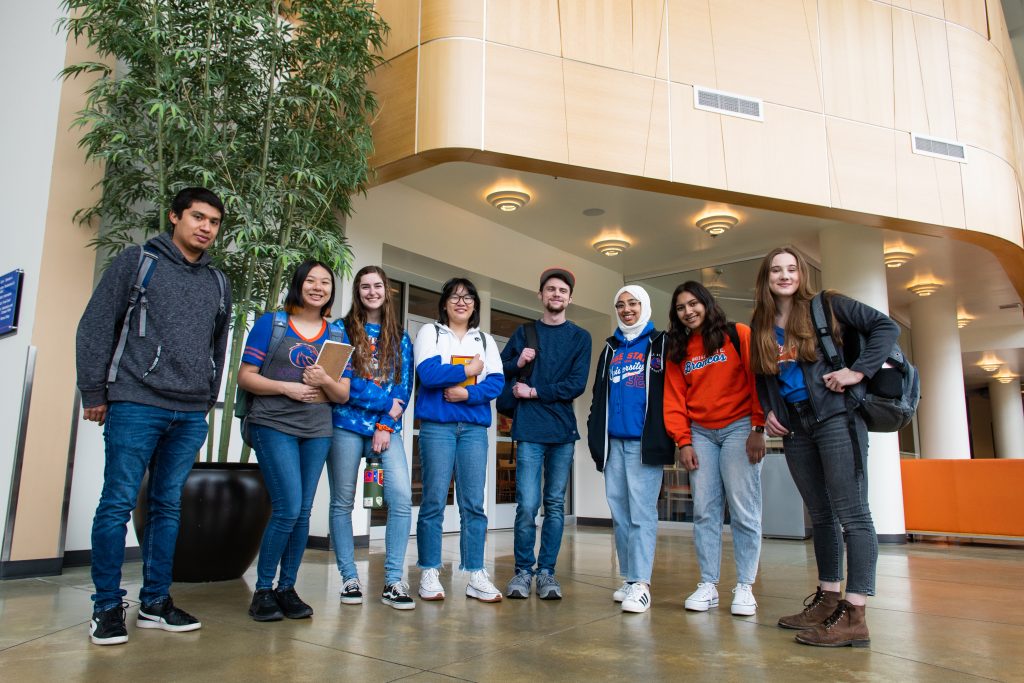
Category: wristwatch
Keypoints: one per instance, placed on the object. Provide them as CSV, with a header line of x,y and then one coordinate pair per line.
x,y
759,429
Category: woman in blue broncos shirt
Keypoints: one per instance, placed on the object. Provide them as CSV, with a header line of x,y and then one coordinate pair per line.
x,y
371,422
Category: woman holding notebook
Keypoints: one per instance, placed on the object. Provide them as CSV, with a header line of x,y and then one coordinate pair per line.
x,y
290,428
371,423
460,374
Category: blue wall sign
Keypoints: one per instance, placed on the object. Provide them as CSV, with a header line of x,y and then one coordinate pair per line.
x,y
10,301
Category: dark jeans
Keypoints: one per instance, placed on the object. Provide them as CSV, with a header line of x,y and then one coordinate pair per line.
x,y
291,468
137,436
821,460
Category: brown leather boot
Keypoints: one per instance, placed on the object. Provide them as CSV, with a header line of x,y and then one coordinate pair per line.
x,y
817,608
846,626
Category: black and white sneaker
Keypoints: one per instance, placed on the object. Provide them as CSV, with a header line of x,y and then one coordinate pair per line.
x,y
397,595
163,615
351,592
291,604
107,627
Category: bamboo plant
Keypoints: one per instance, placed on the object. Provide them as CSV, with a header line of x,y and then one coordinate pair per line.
x,y
265,103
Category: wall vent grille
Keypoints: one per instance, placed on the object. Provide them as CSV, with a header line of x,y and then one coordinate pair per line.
x,y
728,103
936,147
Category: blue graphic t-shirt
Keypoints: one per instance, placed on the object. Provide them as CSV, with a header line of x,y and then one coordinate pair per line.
x,y
371,398
791,377
295,354
627,386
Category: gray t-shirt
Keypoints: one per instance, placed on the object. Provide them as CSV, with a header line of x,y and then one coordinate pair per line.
x,y
295,354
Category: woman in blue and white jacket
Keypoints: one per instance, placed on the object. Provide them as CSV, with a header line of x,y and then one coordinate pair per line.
x,y
371,423
460,374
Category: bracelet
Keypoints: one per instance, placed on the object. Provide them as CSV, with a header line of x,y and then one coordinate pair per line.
x,y
385,428
759,429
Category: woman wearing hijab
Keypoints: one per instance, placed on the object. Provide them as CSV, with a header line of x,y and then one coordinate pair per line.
x,y
628,441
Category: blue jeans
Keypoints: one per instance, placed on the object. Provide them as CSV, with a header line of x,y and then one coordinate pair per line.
x,y
446,447
291,467
137,436
555,461
724,473
347,449
821,459
632,489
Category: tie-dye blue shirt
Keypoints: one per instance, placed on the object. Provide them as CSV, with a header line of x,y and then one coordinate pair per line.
x,y
370,400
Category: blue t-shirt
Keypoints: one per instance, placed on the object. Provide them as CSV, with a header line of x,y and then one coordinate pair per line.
x,y
791,377
293,356
627,386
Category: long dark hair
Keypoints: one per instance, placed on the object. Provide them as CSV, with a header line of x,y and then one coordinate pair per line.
x,y
293,300
712,330
447,289
389,343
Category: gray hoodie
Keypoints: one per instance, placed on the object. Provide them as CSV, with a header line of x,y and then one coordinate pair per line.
x,y
179,363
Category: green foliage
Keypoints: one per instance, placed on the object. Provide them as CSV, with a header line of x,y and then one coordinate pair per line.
x,y
265,103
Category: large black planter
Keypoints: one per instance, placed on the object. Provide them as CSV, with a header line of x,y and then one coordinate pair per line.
x,y
224,510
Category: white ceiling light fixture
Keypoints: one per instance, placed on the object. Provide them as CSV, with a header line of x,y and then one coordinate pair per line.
x,y
925,288
612,247
897,257
963,321
1005,378
717,224
508,200
990,365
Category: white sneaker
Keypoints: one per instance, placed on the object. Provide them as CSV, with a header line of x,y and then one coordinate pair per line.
x,y
638,598
620,594
702,599
430,585
743,603
481,588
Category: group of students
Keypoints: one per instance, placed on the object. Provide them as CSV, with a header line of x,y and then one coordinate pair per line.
x,y
706,388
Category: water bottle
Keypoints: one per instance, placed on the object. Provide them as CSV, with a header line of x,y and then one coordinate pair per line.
x,y
373,483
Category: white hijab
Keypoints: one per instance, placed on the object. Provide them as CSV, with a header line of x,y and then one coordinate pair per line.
x,y
630,332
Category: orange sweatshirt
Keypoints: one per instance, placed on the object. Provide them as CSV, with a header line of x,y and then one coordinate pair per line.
x,y
712,390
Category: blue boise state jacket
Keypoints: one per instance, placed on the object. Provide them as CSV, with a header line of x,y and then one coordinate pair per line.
x,y
434,349
371,399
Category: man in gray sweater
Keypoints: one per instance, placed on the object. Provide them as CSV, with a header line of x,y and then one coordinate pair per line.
x,y
150,353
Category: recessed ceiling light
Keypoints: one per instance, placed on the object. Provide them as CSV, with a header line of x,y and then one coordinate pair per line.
x,y
611,247
593,212
925,288
716,225
508,200
897,257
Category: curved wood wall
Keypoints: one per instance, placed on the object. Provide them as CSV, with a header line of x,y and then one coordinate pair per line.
x,y
606,87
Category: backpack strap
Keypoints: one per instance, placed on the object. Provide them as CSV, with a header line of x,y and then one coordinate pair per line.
x,y
222,286
137,293
734,336
821,318
277,332
532,342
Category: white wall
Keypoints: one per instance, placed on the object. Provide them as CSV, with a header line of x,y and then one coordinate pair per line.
x,y
34,53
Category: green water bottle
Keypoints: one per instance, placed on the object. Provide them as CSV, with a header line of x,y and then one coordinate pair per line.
x,y
373,483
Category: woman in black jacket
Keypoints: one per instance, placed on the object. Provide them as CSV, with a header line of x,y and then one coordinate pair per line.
x,y
627,439
805,402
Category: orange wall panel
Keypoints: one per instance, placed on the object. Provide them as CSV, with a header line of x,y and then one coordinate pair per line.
x,y
980,93
598,33
529,24
691,47
394,130
862,166
991,203
451,18
698,151
927,189
450,101
403,19
923,88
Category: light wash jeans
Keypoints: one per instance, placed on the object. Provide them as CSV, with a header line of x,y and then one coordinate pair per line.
x,y
347,449
821,459
291,468
137,436
554,460
724,473
446,447
632,489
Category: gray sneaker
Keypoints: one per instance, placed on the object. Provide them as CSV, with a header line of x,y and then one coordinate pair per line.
x,y
520,585
548,587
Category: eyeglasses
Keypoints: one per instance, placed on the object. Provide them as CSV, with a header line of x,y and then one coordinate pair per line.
x,y
465,298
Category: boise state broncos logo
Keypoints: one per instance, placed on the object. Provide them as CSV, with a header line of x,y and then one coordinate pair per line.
x,y
303,355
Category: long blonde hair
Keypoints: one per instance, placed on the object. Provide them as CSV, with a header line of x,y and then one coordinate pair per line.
x,y
799,332
389,344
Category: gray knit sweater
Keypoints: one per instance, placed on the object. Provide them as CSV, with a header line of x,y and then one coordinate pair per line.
x,y
178,364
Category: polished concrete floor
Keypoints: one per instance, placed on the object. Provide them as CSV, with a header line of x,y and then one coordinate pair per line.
x,y
943,613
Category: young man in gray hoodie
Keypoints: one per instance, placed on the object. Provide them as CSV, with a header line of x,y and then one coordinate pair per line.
x,y
151,372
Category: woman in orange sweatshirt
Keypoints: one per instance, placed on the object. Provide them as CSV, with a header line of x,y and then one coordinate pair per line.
x,y
714,418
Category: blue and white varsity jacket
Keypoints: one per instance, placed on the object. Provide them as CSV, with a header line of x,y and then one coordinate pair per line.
x,y
433,350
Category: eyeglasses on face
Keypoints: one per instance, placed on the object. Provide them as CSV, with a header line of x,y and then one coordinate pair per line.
x,y
464,298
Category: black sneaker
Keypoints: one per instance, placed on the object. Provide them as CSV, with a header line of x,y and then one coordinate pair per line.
x,y
107,627
397,595
291,604
163,615
351,593
264,606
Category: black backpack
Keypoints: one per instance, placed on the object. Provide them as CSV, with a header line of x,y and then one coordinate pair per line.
x,y
506,402
887,401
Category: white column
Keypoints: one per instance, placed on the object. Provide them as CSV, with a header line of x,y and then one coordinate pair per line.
x,y
851,262
942,414
1007,418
